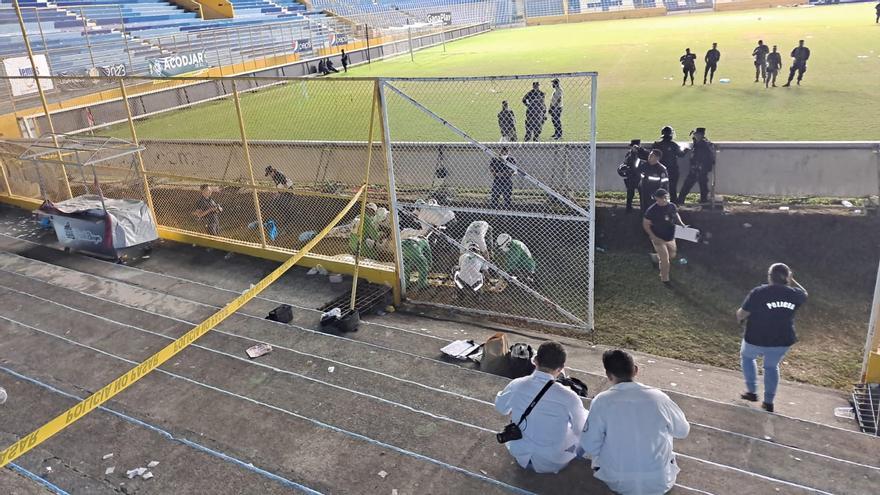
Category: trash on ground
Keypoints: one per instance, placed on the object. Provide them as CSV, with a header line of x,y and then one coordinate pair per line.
x,y
107,456
48,469
317,269
3,395
335,278
109,470
682,261
331,369
147,475
724,80
784,208
382,474
674,384
460,349
135,472
600,249
846,203
844,412
252,352
747,225
333,314
746,202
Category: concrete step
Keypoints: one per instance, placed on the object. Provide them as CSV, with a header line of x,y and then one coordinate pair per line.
x,y
736,419
721,444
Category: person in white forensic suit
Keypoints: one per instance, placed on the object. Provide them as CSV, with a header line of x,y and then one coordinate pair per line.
x,y
476,235
551,431
630,431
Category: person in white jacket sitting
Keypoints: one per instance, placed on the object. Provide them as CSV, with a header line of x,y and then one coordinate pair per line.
x,y
550,432
629,433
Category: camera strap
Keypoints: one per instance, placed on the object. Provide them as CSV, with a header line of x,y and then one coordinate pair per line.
x,y
535,401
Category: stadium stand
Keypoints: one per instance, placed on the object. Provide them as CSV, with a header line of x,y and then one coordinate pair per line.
x,y
78,35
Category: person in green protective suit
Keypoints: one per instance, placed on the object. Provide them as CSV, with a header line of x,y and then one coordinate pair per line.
x,y
417,256
372,236
517,258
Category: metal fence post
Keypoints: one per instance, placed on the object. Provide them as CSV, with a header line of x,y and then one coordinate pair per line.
x,y
360,232
125,38
247,157
43,38
82,14
27,45
592,199
392,192
148,195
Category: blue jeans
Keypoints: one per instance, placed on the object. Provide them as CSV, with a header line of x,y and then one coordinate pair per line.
x,y
772,357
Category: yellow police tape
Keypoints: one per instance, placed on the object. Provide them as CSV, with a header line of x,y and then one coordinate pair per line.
x,y
118,385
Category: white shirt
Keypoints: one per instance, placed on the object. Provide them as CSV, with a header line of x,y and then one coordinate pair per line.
x,y
551,430
476,234
629,437
556,98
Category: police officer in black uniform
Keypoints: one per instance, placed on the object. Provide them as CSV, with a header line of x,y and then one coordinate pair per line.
x,y
536,112
702,156
629,170
671,152
653,176
712,57
800,54
774,65
688,65
760,54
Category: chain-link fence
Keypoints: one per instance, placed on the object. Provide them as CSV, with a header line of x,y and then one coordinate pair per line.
x,y
494,178
280,157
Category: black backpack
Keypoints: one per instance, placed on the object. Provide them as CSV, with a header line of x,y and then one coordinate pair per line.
x,y
283,314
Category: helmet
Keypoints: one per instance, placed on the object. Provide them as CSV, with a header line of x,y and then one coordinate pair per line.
x,y
503,241
623,170
667,131
522,351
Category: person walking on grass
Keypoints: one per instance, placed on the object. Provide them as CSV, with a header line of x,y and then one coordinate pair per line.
x,y
688,65
712,57
800,54
774,65
659,223
760,54
769,312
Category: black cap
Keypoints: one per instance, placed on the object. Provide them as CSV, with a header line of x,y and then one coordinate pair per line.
x,y
635,142
700,130
555,81
660,193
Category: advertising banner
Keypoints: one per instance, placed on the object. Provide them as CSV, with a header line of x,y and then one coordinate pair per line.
x,y
444,18
175,65
21,66
303,45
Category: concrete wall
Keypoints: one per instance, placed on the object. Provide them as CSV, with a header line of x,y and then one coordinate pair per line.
x,y
597,16
774,169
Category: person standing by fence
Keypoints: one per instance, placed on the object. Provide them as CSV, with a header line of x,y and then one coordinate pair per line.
x,y
502,182
507,123
768,312
344,61
702,161
535,112
555,110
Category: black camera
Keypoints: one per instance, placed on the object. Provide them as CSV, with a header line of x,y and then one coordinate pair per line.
x,y
511,432
577,386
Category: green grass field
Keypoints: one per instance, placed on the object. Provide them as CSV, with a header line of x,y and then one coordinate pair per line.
x,y
634,59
